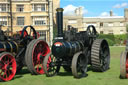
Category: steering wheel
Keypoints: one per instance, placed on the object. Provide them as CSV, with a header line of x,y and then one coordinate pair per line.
x,y
91,32
31,34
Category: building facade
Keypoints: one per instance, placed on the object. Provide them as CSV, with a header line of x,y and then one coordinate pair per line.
x,y
75,20
29,12
104,25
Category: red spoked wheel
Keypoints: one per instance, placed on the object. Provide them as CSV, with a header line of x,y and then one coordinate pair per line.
x,y
124,65
127,66
7,66
35,53
51,66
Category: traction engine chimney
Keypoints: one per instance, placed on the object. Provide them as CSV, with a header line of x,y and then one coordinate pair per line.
x,y
60,21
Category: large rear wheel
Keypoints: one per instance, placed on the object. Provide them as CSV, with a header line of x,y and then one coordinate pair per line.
x,y
35,53
100,55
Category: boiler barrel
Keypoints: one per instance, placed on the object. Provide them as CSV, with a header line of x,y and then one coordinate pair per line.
x,y
8,46
60,49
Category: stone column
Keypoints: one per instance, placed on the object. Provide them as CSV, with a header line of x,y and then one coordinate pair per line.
x,y
50,6
126,14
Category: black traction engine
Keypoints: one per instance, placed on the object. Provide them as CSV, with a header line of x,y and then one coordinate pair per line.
x,y
74,51
22,49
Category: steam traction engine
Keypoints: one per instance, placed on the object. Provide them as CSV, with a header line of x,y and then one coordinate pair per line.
x,y
75,50
124,63
23,49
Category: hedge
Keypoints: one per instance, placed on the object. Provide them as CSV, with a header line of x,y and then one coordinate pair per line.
x,y
114,39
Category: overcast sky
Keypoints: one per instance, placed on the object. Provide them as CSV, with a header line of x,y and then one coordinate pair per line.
x,y
94,8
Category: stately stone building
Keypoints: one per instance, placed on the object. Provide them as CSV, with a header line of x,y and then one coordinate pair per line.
x,y
38,13
104,25
42,15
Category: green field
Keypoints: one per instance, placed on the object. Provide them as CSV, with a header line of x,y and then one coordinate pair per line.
x,y
111,77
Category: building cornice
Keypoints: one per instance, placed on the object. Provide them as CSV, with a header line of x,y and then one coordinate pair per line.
x,y
115,17
43,2
21,0
4,2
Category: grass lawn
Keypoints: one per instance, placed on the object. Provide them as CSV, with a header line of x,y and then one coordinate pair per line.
x,y
111,77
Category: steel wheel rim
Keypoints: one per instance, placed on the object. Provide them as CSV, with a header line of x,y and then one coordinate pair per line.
x,y
51,67
81,66
40,50
105,55
8,67
126,65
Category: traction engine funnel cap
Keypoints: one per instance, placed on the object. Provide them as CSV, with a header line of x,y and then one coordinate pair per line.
x,y
59,9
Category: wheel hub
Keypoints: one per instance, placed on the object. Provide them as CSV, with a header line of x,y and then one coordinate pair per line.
x,y
51,64
39,56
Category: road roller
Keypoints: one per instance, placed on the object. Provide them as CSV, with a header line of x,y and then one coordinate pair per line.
x,y
76,51
19,50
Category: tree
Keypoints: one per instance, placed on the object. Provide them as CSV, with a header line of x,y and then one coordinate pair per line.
x,y
55,31
127,28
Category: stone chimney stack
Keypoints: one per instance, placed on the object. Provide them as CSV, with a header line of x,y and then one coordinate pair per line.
x,y
111,13
77,11
126,14
81,10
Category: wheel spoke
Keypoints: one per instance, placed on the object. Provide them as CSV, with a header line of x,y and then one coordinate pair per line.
x,y
3,68
4,74
10,61
9,72
49,60
5,58
1,65
37,68
3,61
1,71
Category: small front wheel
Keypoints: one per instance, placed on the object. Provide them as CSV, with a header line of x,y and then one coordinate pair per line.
x,y
49,64
79,65
7,66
